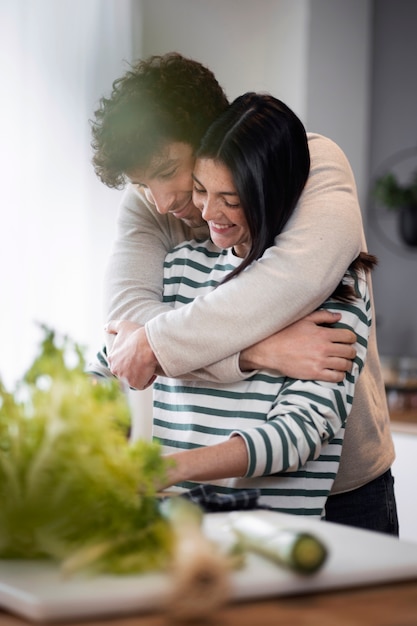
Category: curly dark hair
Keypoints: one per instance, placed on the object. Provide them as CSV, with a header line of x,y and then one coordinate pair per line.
x,y
159,100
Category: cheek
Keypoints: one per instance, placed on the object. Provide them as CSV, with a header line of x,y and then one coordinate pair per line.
x,y
197,201
245,231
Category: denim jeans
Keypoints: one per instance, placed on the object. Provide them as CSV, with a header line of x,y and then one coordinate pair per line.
x,y
372,506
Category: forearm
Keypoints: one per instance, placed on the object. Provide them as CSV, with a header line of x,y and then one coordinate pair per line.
x,y
224,460
314,348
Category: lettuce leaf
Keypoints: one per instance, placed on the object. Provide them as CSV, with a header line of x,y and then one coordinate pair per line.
x,y
72,487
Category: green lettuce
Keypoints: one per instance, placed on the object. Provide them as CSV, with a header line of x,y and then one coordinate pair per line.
x,y
72,487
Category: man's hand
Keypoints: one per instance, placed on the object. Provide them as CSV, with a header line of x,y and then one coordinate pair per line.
x,y
305,350
131,358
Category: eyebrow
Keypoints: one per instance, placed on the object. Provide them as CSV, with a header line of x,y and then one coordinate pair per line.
x,y
165,165
220,193
157,170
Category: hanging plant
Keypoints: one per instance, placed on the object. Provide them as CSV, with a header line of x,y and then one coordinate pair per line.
x,y
402,198
392,195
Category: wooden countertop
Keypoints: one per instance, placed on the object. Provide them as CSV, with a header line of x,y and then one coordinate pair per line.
x,y
383,605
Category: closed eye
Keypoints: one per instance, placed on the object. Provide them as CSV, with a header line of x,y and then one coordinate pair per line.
x,y
166,175
232,206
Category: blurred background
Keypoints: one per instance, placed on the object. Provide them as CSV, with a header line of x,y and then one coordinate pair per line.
x,y
346,68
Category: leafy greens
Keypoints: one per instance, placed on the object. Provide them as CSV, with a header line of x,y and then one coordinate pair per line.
x,y
72,487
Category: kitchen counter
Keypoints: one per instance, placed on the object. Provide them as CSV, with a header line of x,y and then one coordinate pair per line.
x,y
369,578
402,403
383,605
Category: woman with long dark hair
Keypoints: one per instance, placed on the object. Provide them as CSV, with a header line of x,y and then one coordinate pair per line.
x,y
281,435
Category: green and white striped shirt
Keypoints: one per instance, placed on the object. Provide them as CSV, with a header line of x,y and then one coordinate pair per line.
x,y
293,429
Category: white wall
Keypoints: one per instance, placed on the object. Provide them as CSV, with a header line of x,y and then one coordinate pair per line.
x,y
404,471
250,46
313,54
339,79
394,129
57,219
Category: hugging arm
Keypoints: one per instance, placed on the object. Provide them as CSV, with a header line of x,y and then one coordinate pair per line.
x,y
292,278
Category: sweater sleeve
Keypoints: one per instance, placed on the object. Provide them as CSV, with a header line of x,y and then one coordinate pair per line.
x,y
292,278
133,282
134,273
308,414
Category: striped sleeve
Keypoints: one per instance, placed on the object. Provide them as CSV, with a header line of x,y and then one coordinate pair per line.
x,y
307,414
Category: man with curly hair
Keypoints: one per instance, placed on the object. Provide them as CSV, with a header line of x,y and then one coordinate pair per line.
x,y
145,134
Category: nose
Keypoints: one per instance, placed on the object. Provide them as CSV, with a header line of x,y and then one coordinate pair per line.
x,y
163,202
208,209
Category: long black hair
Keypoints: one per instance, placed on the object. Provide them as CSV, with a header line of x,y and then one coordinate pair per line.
x,y
264,145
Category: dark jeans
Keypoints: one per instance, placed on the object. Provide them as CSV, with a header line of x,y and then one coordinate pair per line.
x,y
371,506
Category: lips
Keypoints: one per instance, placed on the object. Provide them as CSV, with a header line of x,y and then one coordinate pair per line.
x,y
220,228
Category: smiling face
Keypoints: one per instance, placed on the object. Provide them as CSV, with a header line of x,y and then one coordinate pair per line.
x,y
167,183
215,194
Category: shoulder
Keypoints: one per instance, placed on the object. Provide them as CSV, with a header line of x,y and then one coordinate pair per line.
x,y
321,145
330,170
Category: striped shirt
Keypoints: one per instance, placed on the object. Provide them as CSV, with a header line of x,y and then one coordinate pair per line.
x,y
293,429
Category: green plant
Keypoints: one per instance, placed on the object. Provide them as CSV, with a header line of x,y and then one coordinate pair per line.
x,y
389,192
72,486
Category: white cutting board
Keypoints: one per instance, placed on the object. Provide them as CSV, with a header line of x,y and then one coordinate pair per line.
x,y
36,591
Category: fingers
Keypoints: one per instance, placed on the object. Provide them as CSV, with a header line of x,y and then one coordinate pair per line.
x,y
338,372
336,335
150,382
343,350
339,364
338,350
323,317
342,336
332,376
